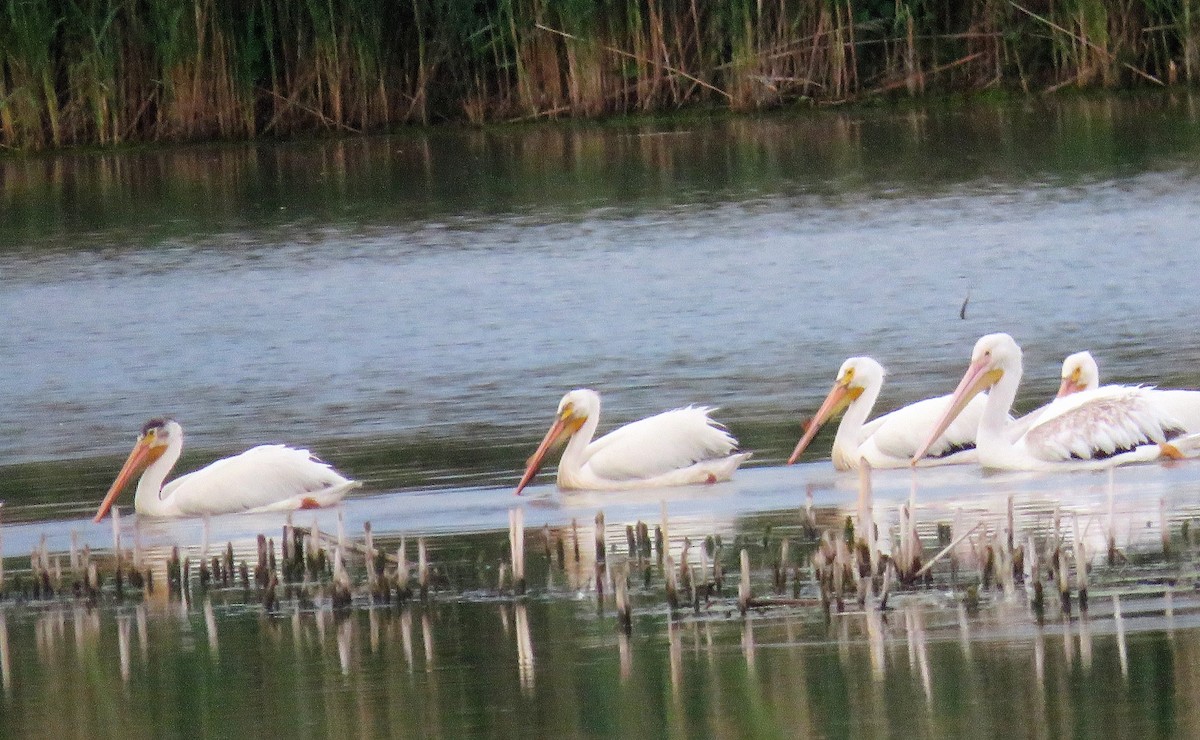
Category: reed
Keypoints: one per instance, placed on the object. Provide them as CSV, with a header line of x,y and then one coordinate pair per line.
x,y
1033,581
1081,564
671,584
403,592
621,595
685,569
110,71
423,569
601,549
744,592
516,543
342,595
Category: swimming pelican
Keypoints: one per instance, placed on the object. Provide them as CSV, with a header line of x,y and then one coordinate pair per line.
x,y
1080,372
263,478
673,448
1111,425
888,441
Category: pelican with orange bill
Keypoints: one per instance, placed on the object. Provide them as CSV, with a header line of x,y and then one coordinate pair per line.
x,y
678,447
263,478
888,441
1100,428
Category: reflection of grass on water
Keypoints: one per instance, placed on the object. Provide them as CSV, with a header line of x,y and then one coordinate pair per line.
x,y
272,628
812,558
109,72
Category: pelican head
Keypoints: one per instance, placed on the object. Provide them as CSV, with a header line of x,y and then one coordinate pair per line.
x,y
1079,373
856,375
574,410
155,437
994,356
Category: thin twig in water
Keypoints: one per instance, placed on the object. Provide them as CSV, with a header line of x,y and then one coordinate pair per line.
x,y
947,549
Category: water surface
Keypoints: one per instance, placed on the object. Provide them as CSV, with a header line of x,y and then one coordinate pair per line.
x,y
412,308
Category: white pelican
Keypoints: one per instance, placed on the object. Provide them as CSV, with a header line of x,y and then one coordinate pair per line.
x,y
673,448
1080,372
264,478
1111,425
888,441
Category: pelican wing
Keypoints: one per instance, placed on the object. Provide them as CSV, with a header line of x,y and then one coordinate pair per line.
x,y
1097,424
1184,407
901,432
659,444
259,477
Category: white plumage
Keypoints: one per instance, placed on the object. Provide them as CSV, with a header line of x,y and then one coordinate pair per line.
x,y
1080,372
888,441
1110,425
672,448
263,478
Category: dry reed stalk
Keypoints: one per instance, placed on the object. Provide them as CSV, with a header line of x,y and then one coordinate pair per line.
x,y
516,544
639,58
865,523
946,550
423,569
671,585
781,566
810,518
1061,580
575,538
402,590
621,594
1081,40
601,550
1119,621
744,592
342,596
1033,578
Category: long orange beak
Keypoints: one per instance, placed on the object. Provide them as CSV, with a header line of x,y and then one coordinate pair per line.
x,y
979,376
839,398
1070,385
143,454
562,428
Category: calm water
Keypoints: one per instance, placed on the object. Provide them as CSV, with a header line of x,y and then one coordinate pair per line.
x,y
413,307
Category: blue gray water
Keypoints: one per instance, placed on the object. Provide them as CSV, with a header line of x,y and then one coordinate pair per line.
x,y
356,290
412,307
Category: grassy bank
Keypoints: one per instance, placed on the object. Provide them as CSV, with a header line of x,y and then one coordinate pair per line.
x,y
109,71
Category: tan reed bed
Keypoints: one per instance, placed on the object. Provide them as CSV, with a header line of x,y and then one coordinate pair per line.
x,y
113,71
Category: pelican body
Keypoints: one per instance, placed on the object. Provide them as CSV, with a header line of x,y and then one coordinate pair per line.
x,y
1098,428
263,478
888,441
673,448
1080,373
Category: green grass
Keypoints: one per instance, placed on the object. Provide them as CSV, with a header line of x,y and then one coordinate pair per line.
x,y
85,72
